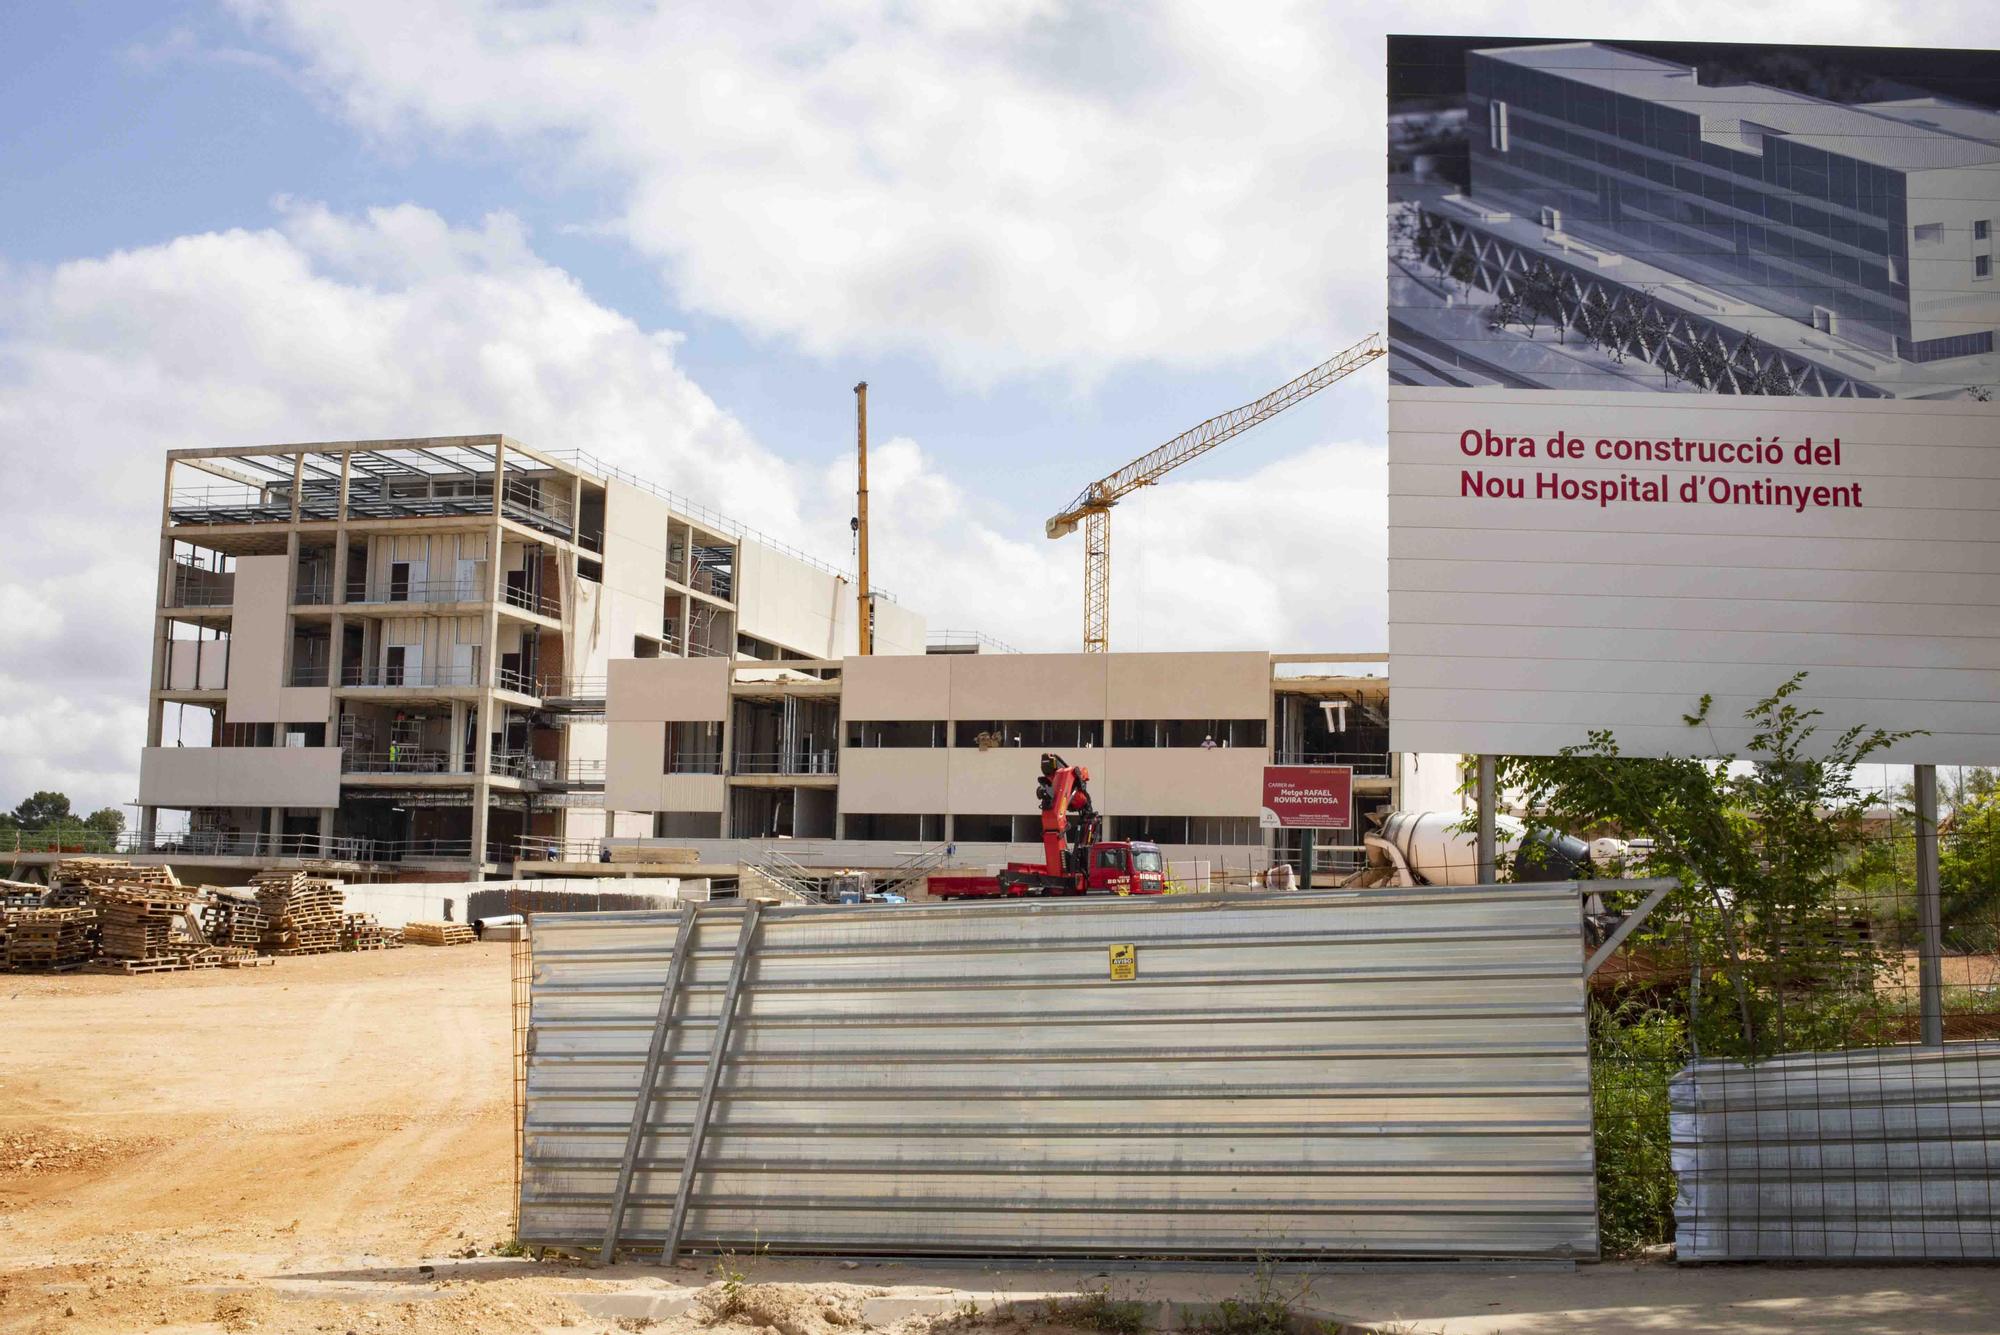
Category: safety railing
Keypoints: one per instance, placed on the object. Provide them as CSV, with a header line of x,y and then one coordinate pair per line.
x,y
312,593
228,505
421,591
529,600
801,763
307,674
680,647
911,871
571,688
248,844
1373,764
396,760
386,677
193,586
528,848
521,765
508,679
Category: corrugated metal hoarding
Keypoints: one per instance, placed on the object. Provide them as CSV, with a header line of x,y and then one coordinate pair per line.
x,y
1365,1073
1874,1154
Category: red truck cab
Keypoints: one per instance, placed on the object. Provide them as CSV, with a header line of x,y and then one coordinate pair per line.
x,y
1120,867
1127,868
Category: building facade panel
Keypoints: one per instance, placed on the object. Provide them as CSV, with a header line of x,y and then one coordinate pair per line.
x,y
1028,686
901,780
668,690
1189,686
908,687
240,776
1176,782
633,591
257,639
1003,779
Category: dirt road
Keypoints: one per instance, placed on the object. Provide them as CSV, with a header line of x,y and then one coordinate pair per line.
x,y
332,1110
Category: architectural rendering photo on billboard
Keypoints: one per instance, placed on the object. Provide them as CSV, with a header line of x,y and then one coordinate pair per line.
x,y
1692,378
1693,217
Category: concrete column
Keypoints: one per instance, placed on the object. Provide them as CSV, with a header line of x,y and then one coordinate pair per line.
x,y
337,627
489,664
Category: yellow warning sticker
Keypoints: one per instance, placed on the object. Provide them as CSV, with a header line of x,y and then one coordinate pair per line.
x,y
1124,963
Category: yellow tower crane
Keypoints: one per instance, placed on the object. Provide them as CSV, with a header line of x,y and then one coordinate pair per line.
x,y
1092,509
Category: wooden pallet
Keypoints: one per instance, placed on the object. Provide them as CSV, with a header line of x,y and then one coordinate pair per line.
x,y
438,934
248,962
164,964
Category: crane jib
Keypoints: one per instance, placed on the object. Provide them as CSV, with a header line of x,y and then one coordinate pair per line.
x,y
1094,503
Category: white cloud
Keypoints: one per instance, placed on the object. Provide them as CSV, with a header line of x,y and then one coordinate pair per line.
x,y
1019,185
331,326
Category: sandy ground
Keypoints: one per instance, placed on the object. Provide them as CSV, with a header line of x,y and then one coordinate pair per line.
x,y
326,1146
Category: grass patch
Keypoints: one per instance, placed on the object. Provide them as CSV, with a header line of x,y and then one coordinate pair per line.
x,y
1099,1311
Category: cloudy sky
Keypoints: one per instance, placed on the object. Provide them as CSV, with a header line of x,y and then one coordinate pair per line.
x,y
1050,235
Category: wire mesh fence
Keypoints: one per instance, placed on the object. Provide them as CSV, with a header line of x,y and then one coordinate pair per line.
x,y
1762,1083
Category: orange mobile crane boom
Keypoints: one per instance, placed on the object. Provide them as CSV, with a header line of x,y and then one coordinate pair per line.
x,y
1092,508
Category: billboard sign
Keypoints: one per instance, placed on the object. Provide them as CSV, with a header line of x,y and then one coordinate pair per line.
x,y
1692,386
1308,797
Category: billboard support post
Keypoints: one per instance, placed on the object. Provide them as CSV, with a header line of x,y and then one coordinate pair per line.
x,y
1930,918
1488,800
1308,850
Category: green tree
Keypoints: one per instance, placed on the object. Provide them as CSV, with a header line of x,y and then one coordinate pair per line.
x,y
43,809
1969,871
1759,842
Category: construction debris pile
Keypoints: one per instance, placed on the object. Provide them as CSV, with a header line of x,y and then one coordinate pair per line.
x,y
111,916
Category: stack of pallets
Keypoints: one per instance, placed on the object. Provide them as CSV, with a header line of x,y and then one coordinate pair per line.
x,y
228,919
302,914
55,940
437,934
20,895
149,927
360,931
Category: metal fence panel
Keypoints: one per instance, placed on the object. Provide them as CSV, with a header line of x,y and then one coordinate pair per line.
x,y
1883,1153
1380,1073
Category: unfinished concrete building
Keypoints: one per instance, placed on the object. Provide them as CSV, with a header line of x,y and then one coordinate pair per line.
x,y
392,655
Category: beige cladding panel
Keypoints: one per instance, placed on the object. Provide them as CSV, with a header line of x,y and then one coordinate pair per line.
x,y
635,756
895,779
913,687
634,565
257,639
1142,781
1001,782
790,603
240,776
668,690
1027,686
1228,685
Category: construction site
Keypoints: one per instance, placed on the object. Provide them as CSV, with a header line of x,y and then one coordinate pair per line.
x,y
554,905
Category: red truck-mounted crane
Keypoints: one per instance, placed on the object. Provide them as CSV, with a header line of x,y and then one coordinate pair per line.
x,y
1074,860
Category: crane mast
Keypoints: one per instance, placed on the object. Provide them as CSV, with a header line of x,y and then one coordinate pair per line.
x,y
1091,510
